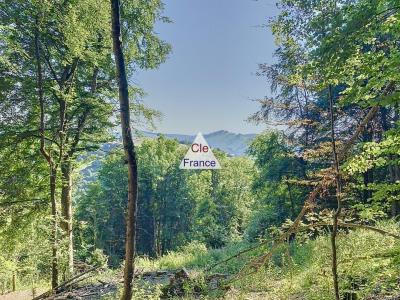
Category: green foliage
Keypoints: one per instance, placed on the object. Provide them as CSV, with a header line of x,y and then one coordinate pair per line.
x,y
275,186
25,255
175,206
340,50
224,199
369,266
98,258
375,155
70,42
196,256
380,157
365,264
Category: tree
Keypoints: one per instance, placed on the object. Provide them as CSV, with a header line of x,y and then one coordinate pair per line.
x,y
48,157
279,183
70,43
129,149
175,206
61,110
164,203
337,50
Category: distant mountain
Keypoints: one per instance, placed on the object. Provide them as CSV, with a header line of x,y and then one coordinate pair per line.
x,y
234,144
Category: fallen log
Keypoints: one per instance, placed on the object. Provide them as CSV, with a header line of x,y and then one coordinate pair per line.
x,y
63,285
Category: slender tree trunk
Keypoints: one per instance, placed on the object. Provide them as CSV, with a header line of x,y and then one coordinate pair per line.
x,y
395,173
367,178
47,156
54,261
155,243
395,177
129,149
66,210
159,238
338,197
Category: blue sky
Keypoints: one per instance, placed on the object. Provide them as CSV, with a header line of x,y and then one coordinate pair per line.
x,y
209,79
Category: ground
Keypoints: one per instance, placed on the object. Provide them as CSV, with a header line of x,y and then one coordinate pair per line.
x,y
20,295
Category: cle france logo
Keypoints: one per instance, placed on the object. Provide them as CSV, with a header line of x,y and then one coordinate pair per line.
x,y
199,156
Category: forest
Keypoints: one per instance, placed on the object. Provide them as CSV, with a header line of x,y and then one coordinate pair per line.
x,y
90,208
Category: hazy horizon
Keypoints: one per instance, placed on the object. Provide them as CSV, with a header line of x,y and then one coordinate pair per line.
x,y
193,134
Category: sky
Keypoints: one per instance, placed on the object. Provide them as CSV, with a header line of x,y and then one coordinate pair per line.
x,y
208,82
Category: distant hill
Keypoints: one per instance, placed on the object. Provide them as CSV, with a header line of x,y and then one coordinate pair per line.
x,y
234,144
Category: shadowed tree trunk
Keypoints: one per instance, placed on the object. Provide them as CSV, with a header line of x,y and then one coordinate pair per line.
x,y
336,214
395,172
66,174
395,177
129,149
66,211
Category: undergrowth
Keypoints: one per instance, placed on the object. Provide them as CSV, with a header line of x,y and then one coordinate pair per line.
x,y
368,263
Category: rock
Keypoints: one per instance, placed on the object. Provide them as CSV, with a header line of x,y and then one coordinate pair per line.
x,y
214,281
182,283
177,282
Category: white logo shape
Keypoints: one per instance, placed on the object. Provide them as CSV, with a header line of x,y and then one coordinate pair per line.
x,y
199,156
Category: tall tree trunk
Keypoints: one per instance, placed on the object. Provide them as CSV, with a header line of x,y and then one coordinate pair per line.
x,y
338,198
66,177
54,261
129,149
395,172
66,210
47,156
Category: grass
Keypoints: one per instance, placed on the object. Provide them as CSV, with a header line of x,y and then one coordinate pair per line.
x,y
368,262
195,256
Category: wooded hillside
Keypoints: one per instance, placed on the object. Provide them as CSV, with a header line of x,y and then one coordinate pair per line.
x,y
311,211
